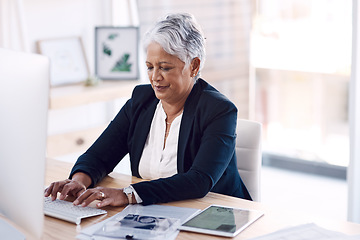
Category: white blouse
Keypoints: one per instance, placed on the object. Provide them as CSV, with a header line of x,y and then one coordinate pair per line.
x,y
157,161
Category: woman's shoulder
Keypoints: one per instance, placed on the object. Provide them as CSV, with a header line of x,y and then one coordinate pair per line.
x,y
142,89
142,95
207,102
209,94
143,92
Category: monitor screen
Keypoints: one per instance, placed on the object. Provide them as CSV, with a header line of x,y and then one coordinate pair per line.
x,y
24,97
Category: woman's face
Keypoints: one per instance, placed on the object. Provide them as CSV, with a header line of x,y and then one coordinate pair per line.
x,y
170,81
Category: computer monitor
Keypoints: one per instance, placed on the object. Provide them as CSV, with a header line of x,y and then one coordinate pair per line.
x,y
24,97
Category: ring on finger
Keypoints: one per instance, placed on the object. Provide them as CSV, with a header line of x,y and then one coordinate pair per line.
x,y
102,195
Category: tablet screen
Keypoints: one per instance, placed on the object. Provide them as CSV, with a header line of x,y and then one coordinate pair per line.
x,y
221,220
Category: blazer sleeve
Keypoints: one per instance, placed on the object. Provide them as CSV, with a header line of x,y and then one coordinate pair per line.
x,y
210,148
117,139
107,151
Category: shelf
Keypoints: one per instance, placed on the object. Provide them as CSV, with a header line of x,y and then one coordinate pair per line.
x,y
67,96
79,94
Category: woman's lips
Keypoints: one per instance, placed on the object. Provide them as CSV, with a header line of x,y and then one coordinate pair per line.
x,y
160,88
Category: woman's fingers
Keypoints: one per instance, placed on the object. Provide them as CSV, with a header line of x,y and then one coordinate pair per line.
x,y
87,197
57,187
105,202
79,192
106,196
65,187
72,188
47,190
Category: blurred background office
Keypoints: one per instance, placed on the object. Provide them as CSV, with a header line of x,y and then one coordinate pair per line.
x,y
284,63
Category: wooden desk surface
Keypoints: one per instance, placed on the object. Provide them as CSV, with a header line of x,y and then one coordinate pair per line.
x,y
273,219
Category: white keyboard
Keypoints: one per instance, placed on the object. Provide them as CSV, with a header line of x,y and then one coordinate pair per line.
x,y
67,211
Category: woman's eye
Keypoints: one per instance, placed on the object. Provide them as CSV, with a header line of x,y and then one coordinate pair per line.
x,y
149,68
165,69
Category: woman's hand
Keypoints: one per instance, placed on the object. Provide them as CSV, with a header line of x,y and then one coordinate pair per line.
x,y
70,187
106,196
66,188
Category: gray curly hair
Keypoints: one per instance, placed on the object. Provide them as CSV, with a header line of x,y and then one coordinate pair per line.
x,y
179,35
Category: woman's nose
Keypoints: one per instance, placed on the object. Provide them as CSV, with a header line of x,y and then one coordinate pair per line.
x,y
156,76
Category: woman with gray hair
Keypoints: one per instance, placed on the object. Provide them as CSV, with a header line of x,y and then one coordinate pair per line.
x,y
179,131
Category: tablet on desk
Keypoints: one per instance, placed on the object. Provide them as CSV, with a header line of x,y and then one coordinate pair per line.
x,y
221,220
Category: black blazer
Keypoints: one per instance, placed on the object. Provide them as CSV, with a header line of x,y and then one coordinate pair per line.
x,y
206,159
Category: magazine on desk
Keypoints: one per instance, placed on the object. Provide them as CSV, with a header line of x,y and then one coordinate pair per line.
x,y
140,222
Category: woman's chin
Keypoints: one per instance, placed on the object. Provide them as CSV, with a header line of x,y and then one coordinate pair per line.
x,y
161,94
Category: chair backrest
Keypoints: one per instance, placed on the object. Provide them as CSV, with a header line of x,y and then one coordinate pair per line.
x,y
249,155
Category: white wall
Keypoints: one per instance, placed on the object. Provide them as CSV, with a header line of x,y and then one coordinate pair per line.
x,y
66,18
11,25
46,19
23,23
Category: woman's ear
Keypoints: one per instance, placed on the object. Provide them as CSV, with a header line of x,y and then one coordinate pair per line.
x,y
195,66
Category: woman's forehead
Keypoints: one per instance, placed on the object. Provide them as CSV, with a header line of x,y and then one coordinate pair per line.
x,y
157,55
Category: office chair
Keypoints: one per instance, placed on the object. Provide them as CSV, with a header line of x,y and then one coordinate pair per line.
x,y
248,154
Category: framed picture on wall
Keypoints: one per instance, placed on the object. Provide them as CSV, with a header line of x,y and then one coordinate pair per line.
x,y
67,59
116,53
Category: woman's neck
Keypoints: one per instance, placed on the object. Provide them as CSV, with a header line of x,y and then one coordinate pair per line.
x,y
172,110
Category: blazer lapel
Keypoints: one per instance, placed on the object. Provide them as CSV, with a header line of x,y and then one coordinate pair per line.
x,y
141,132
186,125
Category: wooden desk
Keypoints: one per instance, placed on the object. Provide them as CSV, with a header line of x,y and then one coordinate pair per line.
x,y
273,219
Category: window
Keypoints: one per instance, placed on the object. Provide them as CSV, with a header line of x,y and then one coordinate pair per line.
x,y
301,57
